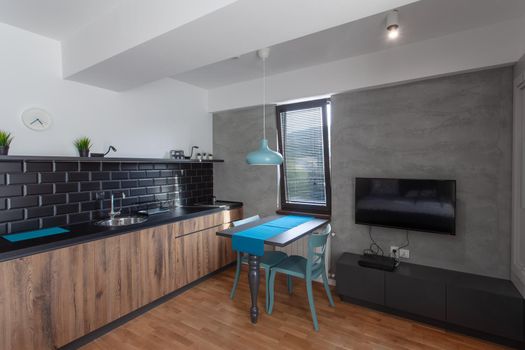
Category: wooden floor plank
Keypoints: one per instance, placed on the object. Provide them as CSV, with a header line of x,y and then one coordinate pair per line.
x,y
205,318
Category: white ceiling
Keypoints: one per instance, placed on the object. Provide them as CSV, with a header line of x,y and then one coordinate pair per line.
x,y
56,19
421,20
121,44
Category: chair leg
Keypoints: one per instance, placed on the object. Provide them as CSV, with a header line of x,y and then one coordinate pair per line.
x,y
327,289
289,283
237,275
267,286
271,288
311,302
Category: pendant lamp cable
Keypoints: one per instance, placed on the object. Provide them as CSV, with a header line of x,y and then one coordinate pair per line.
x,y
264,97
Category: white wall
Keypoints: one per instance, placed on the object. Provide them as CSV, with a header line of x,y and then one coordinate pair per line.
x,y
501,43
144,122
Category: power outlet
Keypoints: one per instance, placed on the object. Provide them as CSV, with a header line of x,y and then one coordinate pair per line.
x,y
404,253
394,251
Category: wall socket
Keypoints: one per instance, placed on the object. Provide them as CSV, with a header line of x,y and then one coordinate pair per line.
x,y
394,251
399,253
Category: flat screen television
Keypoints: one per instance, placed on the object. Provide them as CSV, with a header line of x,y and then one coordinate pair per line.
x,y
415,205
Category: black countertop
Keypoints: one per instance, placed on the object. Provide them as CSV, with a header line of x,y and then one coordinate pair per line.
x,y
82,233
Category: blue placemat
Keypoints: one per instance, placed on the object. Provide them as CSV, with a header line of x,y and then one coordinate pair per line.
x,y
289,221
251,240
23,236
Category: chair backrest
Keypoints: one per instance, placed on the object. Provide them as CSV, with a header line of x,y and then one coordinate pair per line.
x,y
246,221
317,251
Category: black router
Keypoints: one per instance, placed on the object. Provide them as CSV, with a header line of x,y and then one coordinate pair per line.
x,y
376,261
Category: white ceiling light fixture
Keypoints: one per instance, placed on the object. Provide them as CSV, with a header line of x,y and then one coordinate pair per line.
x,y
392,24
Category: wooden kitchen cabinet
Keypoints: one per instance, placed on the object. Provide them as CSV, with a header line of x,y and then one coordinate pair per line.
x,y
49,299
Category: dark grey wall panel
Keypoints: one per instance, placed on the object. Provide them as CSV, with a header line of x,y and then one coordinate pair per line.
x,y
455,127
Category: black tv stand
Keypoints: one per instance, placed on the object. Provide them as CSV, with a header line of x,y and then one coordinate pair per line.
x,y
481,306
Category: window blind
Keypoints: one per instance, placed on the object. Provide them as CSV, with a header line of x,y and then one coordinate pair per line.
x,y
303,152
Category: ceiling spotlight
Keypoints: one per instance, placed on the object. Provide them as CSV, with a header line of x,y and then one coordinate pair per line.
x,y
392,24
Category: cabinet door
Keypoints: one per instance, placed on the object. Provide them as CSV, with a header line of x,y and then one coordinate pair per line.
x,y
154,263
417,296
189,259
108,280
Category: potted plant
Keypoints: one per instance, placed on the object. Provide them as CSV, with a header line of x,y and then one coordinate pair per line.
x,y
83,145
5,141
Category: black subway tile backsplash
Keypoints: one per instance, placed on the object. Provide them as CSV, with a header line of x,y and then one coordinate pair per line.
x,y
54,221
75,176
11,167
78,218
10,191
66,166
38,212
17,179
100,176
90,186
39,166
26,225
60,198
66,187
11,215
79,197
52,177
90,166
38,189
67,208
22,202
111,166
40,194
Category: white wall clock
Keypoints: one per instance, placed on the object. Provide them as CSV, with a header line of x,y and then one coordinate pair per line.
x,y
36,119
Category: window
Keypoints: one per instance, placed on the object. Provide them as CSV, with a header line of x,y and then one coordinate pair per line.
x,y
304,144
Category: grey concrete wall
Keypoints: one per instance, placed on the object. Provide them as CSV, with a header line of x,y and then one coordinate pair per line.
x,y
235,134
457,127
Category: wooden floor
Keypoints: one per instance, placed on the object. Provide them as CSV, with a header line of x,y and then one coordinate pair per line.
x,y
205,318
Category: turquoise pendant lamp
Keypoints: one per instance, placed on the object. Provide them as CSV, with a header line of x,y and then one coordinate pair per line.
x,y
264,155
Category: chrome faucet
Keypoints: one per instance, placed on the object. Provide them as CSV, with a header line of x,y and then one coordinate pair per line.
x,y
112,212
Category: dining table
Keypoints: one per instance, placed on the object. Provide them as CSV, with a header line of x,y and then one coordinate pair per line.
x,y
283,239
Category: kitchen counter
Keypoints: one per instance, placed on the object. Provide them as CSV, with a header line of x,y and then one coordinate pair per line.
x,y
81,233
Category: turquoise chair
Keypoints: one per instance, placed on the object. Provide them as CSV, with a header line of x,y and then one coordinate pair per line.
x,y
269,259
306,268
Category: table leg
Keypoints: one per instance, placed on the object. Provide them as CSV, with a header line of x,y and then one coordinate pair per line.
x,y
253,281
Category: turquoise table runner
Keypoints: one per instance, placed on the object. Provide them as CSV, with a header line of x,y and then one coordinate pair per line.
x,y
23,236
251,240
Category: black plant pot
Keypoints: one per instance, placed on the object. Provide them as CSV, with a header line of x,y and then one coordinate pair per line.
x,y
4,150
83,152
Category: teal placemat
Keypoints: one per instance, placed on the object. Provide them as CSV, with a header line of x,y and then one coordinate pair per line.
x,y
251,240
24,236
289,221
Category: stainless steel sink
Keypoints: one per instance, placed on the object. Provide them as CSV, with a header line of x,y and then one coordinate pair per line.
x,y
122,221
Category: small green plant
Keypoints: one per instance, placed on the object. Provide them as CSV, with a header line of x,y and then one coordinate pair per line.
x,y
83,144
5,138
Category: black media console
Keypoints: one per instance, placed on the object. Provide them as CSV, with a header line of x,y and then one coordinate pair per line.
x,y
486,307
